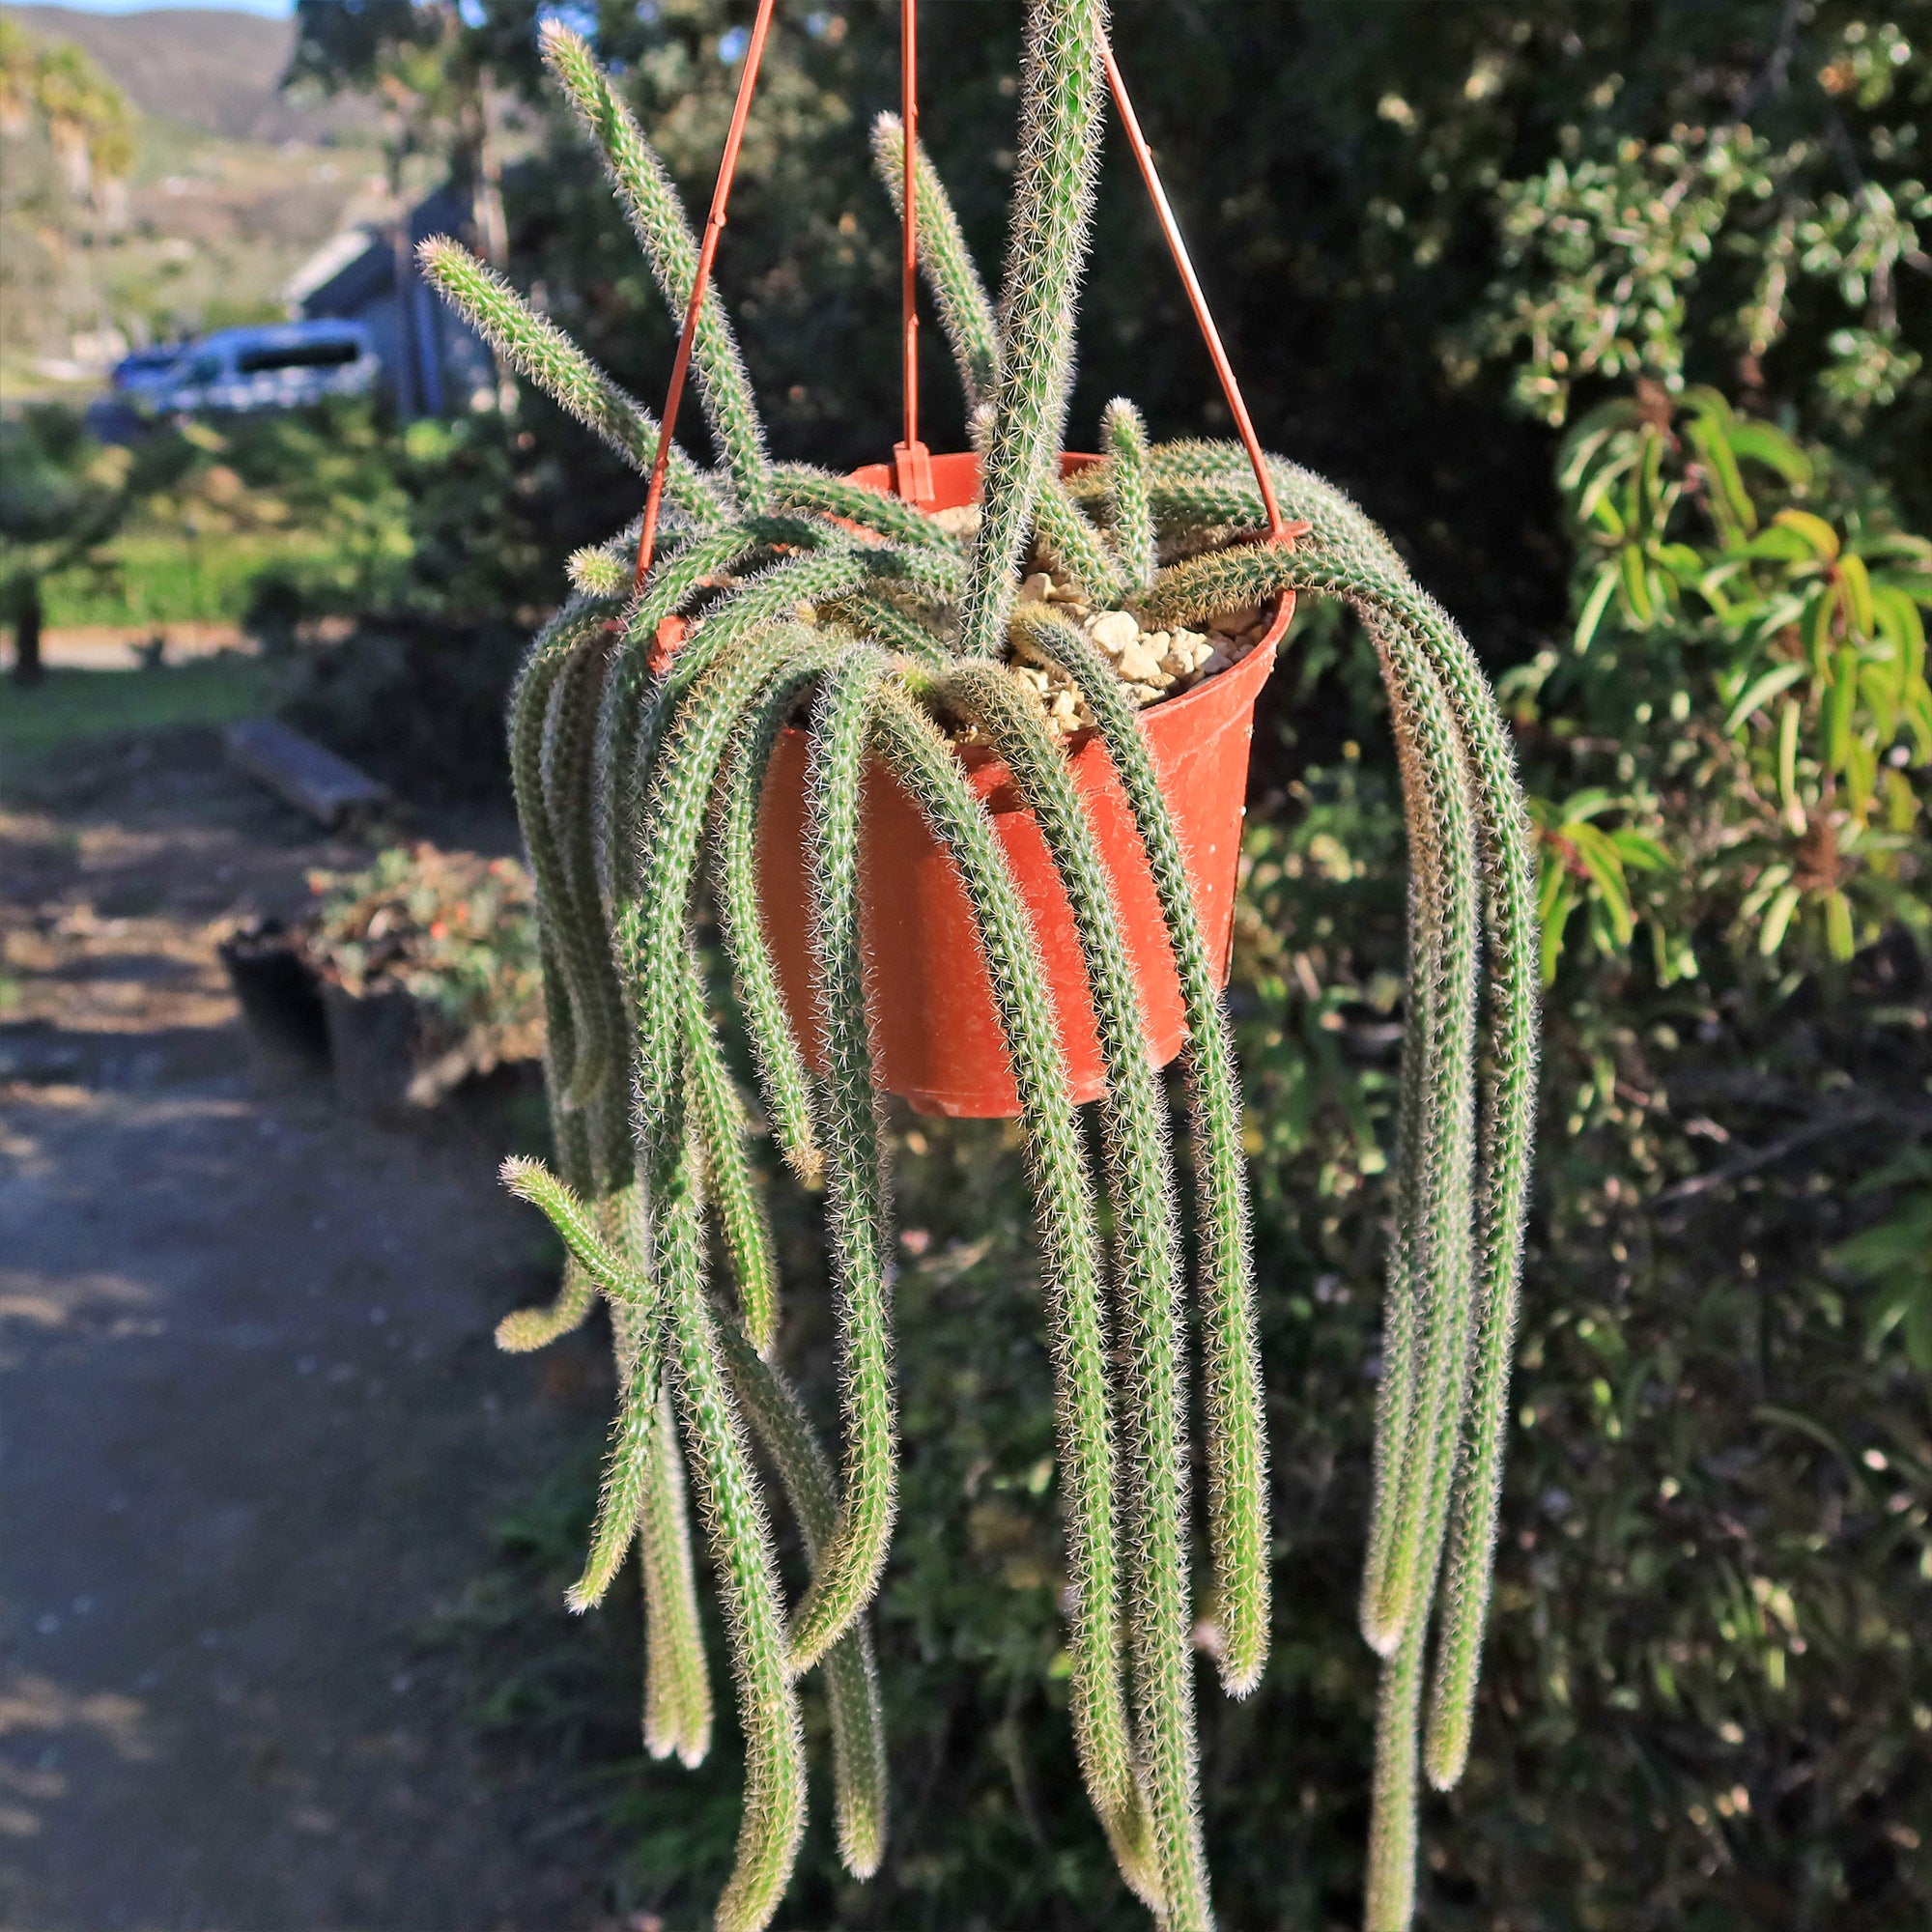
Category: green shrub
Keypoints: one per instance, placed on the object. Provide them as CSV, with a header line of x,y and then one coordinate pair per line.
x,y
1743,695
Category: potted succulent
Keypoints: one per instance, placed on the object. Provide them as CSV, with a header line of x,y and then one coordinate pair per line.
x,y
429,971
939,753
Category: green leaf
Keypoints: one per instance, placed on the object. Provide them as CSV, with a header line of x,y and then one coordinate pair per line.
x,y
1858,590
1706,404
1759,443
1770,934
1775,615
1919,1330
1761,692
1604,864
1897,618
1636,585
1583,451
1899,1244
1712,442
1818,536
1602,483
1580,806
1645,853
1838,937
1860,777
1781,546
1894,1256
1820,610
1841,701
1594,606
1880,684
1650,476
1551,879
1555,917
1901,802
1918,711
1672,955
1787,764
1609,519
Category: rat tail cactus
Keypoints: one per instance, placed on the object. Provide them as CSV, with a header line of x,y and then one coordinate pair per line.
x,y
796,600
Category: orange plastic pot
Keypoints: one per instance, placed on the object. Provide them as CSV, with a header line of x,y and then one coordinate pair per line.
x,y
935,1033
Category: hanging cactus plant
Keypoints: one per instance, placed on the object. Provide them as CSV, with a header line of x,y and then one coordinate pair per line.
x,y
648,716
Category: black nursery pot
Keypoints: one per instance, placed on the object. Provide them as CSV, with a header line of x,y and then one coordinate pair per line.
x,y
282,1014
375,1040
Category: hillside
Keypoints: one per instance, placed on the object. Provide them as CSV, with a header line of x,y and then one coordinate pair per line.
x,y
232,188
212,70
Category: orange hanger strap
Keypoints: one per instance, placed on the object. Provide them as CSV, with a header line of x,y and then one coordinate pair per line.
x,y
707,254
1278,531
911,464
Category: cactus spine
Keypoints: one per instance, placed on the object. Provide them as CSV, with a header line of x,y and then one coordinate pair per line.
x,y
803,597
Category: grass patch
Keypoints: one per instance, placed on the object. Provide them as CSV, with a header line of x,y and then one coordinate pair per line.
x,y
69,707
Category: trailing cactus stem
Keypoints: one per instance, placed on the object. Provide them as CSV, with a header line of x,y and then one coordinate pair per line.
x,y
569,1004
1076,546
1439,1058
785,1080
1124,444
799,486
1237,1432
1148,1258
524,1330
1390,1903
565,769
741,1208
779,1421
1346,556
750,643
637,1333
1071,1246
626,1469
678,1682
576,1227
742,1556
857,1210
636,700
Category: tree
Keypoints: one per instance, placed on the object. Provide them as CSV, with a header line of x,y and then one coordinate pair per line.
x,y
63,498
66,136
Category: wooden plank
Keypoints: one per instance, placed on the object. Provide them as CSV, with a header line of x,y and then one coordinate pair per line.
x,y
301,773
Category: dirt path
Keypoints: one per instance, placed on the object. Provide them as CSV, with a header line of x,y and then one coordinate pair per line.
x,y
252,1430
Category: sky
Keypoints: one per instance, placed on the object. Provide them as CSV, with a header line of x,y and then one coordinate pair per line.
x,y
277,10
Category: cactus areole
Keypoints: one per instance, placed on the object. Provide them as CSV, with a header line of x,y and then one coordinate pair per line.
x,y
958,745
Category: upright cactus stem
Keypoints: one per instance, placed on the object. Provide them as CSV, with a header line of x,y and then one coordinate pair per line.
x,y
1131,510
1053,191
965,312
799,601
541,351
658,220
